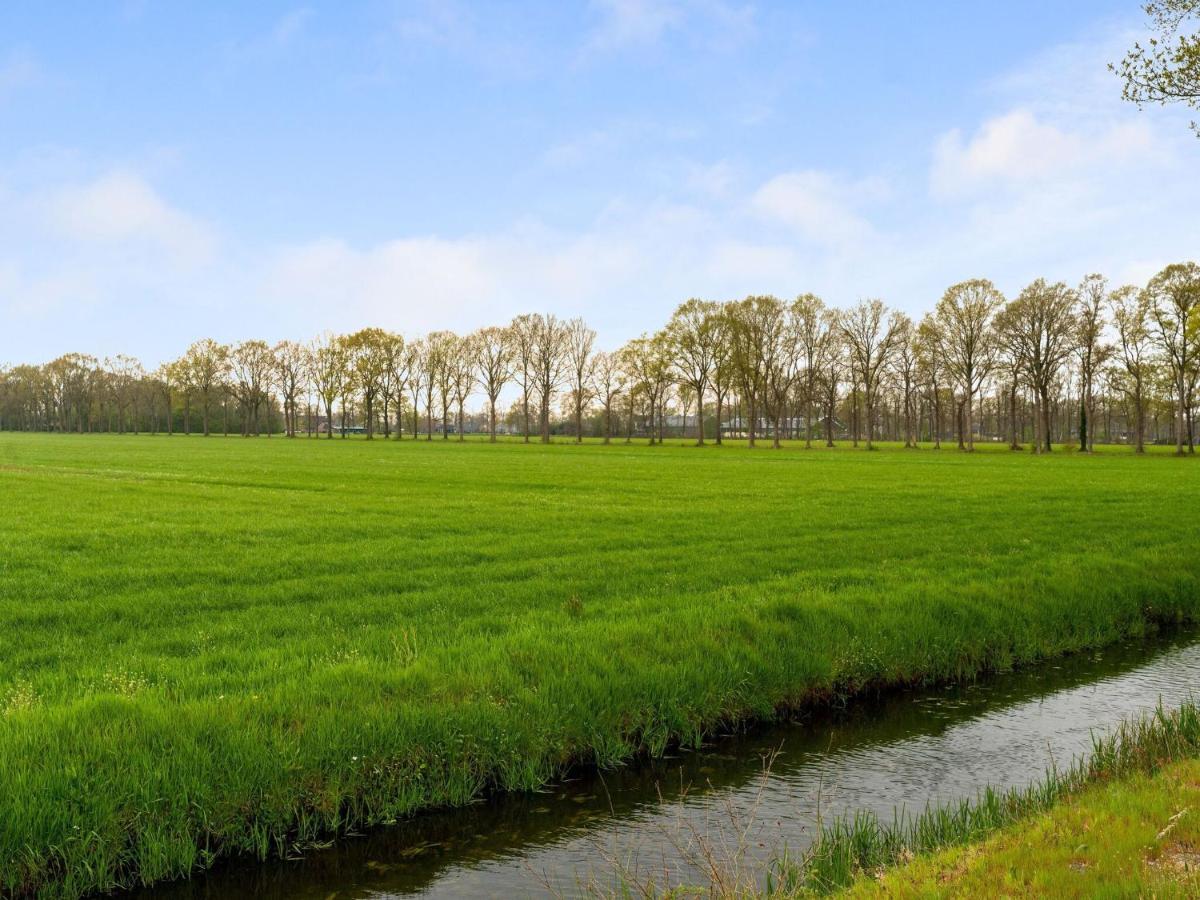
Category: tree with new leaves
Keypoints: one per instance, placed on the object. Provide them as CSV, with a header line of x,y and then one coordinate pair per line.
x,y
494,350
207,365
781,362
291,368
964,318
550,362
748,327
327,359
523,331
1038,327
391,380
904,367
647,361
168,378
367,352
722,377
1092,350
1130,309
871,334
814,330
251,364
461,366
579,342
692,335
1174,295
398,382
436,361
415,367
608,382
1166,69
123,374
931,370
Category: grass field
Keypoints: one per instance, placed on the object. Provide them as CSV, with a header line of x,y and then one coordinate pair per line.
x,y
225,645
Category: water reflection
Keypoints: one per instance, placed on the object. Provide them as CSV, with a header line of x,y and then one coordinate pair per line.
x,y
902,751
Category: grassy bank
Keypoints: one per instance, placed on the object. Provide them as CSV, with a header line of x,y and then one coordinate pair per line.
x,y
227,646
1123,824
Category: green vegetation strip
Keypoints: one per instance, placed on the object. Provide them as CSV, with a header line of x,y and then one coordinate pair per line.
x,y
1113,824
215,647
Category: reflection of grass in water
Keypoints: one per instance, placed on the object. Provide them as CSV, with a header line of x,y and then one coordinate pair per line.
x,y
861,845
220,647
1125,805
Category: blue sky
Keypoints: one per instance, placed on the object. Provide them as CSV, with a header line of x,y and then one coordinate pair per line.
x,y
169,171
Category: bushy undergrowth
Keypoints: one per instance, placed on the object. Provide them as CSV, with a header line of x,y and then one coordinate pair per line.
x,y
211,647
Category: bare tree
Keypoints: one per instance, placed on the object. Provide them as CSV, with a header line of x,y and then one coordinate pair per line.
x,y
579,343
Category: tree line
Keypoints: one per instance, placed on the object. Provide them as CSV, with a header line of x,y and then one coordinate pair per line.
x,y
1053,364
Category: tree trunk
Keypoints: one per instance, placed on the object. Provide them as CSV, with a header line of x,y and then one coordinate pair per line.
x,y
1013,443
969,422
1046,422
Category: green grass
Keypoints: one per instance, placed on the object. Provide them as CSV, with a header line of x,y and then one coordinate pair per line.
x,y
1123,824
233,646
862,847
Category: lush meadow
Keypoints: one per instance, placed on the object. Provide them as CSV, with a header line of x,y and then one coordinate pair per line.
x,y
213,646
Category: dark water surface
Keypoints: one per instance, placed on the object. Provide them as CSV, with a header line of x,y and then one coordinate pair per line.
x,y
904,751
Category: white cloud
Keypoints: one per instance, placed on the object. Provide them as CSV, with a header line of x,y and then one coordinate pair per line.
x,y
1017,149
121,207
820,207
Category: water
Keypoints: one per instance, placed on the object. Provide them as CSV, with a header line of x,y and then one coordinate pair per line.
x,y
904,751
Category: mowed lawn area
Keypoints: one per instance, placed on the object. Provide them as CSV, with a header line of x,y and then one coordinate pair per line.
x,y
213,646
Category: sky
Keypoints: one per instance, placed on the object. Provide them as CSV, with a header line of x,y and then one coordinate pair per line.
x,y
170,171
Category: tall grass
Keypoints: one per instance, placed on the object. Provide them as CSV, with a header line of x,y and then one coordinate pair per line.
x,y
216,647
862,844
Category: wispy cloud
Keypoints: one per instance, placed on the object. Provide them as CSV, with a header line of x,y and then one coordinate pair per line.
x,y
18,70
121,207
633,24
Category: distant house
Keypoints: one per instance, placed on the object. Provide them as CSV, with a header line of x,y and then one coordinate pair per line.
x,y
324,427
792,425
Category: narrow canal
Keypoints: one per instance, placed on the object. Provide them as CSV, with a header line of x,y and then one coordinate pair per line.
x,y
744,796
